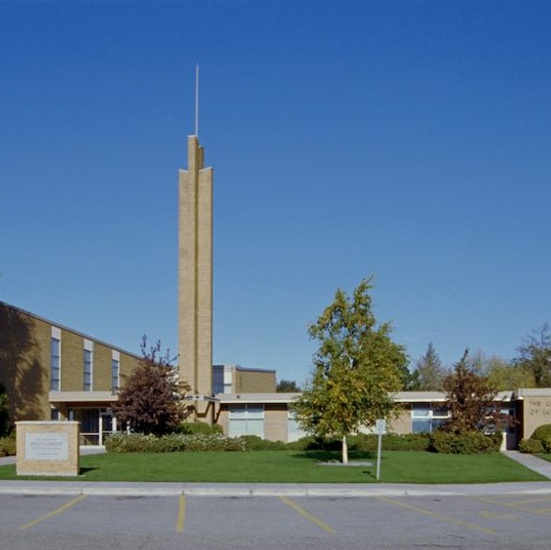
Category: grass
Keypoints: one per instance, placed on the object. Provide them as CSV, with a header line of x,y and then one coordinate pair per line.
x,y
295,467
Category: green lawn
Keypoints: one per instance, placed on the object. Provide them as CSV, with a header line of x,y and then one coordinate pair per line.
x,y
296,467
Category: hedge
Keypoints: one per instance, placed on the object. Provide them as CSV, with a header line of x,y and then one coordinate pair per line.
x,y
364,443
140,443
530,446
467,443
539,441
542,433
194,428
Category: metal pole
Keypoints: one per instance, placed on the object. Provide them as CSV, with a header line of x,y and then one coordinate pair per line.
x,y
379,447
197,100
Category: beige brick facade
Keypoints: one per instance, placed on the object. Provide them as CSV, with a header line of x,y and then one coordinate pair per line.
x,y
254,381
195,277
72,361
401,424
25,367
275,422
533,410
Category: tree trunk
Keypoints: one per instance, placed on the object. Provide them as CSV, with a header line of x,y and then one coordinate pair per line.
x,y
344,450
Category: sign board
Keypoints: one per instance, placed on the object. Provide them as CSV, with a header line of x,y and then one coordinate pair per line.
x,y
46,446
380,426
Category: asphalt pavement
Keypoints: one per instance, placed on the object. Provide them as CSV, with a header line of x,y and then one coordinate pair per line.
x,y
282,489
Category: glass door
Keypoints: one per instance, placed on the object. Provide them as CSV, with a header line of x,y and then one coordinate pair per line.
x,y
107,426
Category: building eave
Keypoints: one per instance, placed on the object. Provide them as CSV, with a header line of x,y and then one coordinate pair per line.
x,y
104,397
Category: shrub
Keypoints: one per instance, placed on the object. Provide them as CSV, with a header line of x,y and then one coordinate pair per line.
x,y
192,428
542,433
364,443
8,445
546,444
466,443
390,442
214,442
530,446
141,443
303,444
255,443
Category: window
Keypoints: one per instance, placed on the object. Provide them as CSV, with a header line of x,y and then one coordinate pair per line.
x,y
427,417
246,419
115,371
55,360
88,365
221,379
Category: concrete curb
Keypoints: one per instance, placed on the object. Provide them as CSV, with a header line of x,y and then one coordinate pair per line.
x,y
276,490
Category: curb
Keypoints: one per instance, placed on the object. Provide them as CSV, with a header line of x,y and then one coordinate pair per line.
x,y
248,491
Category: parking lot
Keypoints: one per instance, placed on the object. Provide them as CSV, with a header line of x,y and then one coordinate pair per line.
x,y
134,522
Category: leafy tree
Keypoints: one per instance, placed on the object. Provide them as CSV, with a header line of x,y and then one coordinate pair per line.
x,y
5,427
152,400
535,356
356,369
470,400
287,386
429,371
502,374
408,378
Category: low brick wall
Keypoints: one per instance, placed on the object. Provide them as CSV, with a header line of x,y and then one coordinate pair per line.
x,y
47,448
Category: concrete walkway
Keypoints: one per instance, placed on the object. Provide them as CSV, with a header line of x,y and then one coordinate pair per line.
x,y
532,462
284,489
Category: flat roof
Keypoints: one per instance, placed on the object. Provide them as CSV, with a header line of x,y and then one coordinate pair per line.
x,y
82,397
400,397
274,397
239,367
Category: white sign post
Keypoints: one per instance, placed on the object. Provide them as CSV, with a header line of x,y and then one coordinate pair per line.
x,y
380,428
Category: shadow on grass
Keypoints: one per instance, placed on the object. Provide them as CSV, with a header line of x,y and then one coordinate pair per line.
x,y
336,456
84,471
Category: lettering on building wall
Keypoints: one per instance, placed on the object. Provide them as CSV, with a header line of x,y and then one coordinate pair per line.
x,y
539,407
46,446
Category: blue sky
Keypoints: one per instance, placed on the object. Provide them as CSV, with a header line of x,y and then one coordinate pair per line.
x,y
408,140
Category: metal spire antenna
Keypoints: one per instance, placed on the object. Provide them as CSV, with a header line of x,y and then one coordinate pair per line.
x,y
197,100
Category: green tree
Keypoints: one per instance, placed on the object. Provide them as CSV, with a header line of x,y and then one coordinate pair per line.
x,y
470,399
287,386
429,371
5,427
152,400
357,367
535,356
502,374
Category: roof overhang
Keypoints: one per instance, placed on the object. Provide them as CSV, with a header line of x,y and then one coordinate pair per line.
x,y
82,397
210,398
234,398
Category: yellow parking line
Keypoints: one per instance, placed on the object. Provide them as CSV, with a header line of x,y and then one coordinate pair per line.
x,y
467,524
512,505
533,500
52,514
181,514
307,515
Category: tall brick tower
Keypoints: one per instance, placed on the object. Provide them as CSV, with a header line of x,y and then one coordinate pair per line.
x,y
195,279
